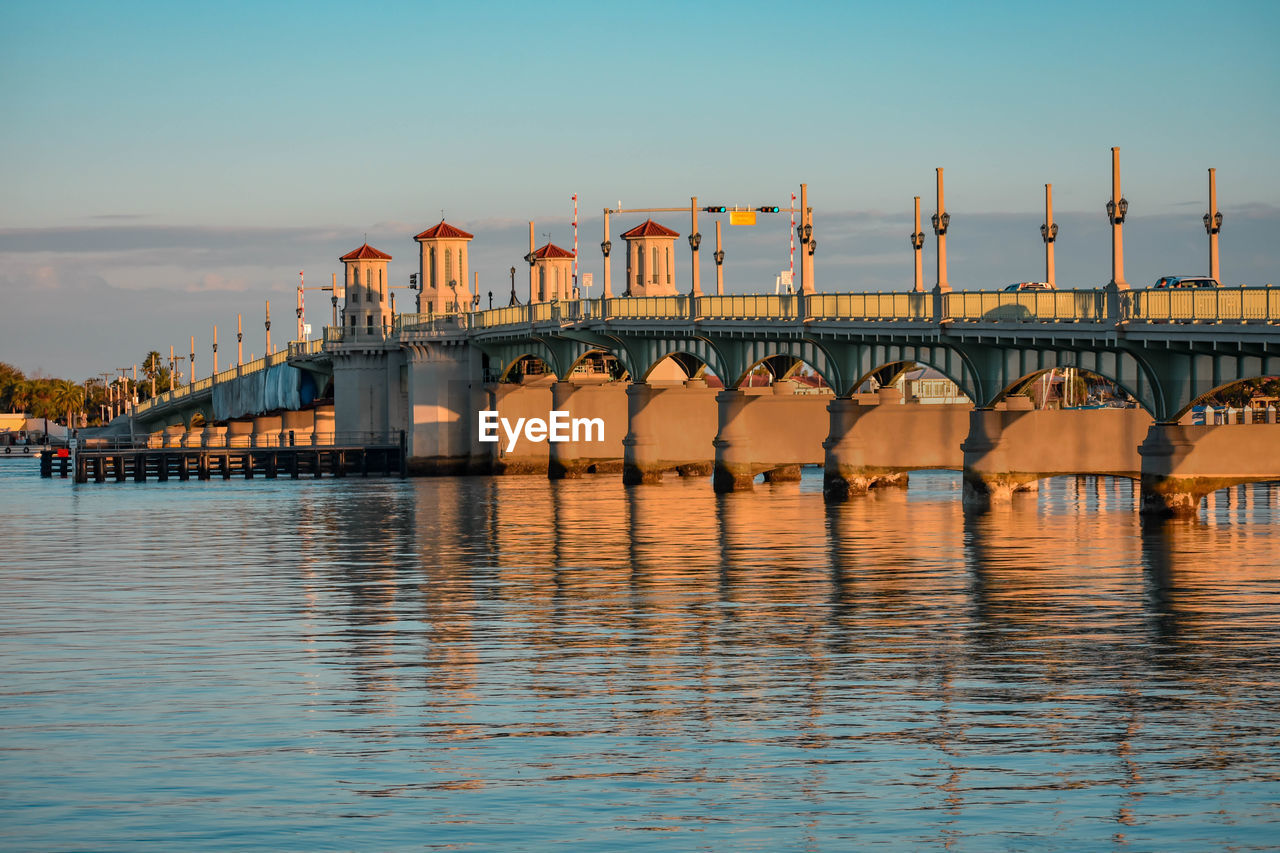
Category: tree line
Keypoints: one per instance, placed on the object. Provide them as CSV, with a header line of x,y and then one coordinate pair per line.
x,y
77,404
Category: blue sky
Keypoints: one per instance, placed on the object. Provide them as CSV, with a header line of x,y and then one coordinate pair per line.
x,y
166,165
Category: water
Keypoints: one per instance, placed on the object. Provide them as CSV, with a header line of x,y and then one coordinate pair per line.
x,y
514,664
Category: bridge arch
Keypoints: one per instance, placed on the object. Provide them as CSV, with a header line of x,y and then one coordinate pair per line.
x,y
1022,383
741,356
1223,394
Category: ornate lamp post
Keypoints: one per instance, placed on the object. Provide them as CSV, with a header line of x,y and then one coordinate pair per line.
x,y
941,222
215,350
1117,209
695,240
1212,225
1048,233
514,300
719,256
606,246
917,243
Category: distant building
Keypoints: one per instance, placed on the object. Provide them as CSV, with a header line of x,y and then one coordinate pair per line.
x,y
552,273
366,308
443,269
650,260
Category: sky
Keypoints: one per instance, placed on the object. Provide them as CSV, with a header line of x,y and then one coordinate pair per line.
x,y
167,166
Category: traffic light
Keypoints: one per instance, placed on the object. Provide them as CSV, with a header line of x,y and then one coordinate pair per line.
x,y
714,209
767,209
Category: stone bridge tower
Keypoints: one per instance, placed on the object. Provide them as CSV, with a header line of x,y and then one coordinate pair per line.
x,y
651,260
443,270
552,273
366,310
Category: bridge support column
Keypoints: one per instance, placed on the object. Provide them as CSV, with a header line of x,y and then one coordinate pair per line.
x,y
483,399
988,476
239,433
845,471
302,424
1181,463
266,430
563,462
213,436
640,462
1011,448
323,433
733,470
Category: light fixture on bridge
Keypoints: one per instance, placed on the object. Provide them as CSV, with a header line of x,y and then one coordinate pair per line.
x,y
1213,224
813,244
719,256
529,258
606,246
1049,233
804,232
695,240
917,239
1117,212
941,223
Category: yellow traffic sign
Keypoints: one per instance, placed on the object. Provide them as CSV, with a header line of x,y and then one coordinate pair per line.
x,y
742,217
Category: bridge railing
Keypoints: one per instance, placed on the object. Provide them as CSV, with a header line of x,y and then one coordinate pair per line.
x,y
1027,306
647,307
868,306
758,306
1231,304
297,349
510,315
196,438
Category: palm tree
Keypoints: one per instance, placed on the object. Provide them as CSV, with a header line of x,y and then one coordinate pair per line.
x,y
67,397
21,394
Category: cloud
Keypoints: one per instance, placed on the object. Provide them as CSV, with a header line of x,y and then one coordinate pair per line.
x,y
214,281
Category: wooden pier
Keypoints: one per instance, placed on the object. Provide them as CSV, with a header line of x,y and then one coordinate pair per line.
x,y
139,464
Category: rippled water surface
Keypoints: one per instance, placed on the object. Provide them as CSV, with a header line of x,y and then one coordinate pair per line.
x,y
516,664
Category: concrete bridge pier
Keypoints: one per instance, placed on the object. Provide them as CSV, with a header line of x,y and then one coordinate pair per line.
x,y
266,430
1010,448
481,456
564,462
733,471
845,469
322,431
297,427
213,436
239,433
173,435
990,476
1183,463
640,460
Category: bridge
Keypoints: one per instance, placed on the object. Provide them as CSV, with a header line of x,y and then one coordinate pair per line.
x,y
430,373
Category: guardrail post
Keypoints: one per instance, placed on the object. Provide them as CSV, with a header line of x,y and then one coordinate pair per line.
x,y
939,305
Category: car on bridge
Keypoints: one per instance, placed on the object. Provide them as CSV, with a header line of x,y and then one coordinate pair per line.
x,y
1030,285
1166,282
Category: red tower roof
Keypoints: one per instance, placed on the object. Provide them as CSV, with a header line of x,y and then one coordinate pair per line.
x,y
444,230
649,228
365,253
551,250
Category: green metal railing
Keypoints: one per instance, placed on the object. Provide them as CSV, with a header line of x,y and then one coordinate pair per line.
x,y
1027,306
869,306
1209,305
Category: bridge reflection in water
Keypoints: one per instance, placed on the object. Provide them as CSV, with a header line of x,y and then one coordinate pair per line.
x,y
518,663
1054,654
